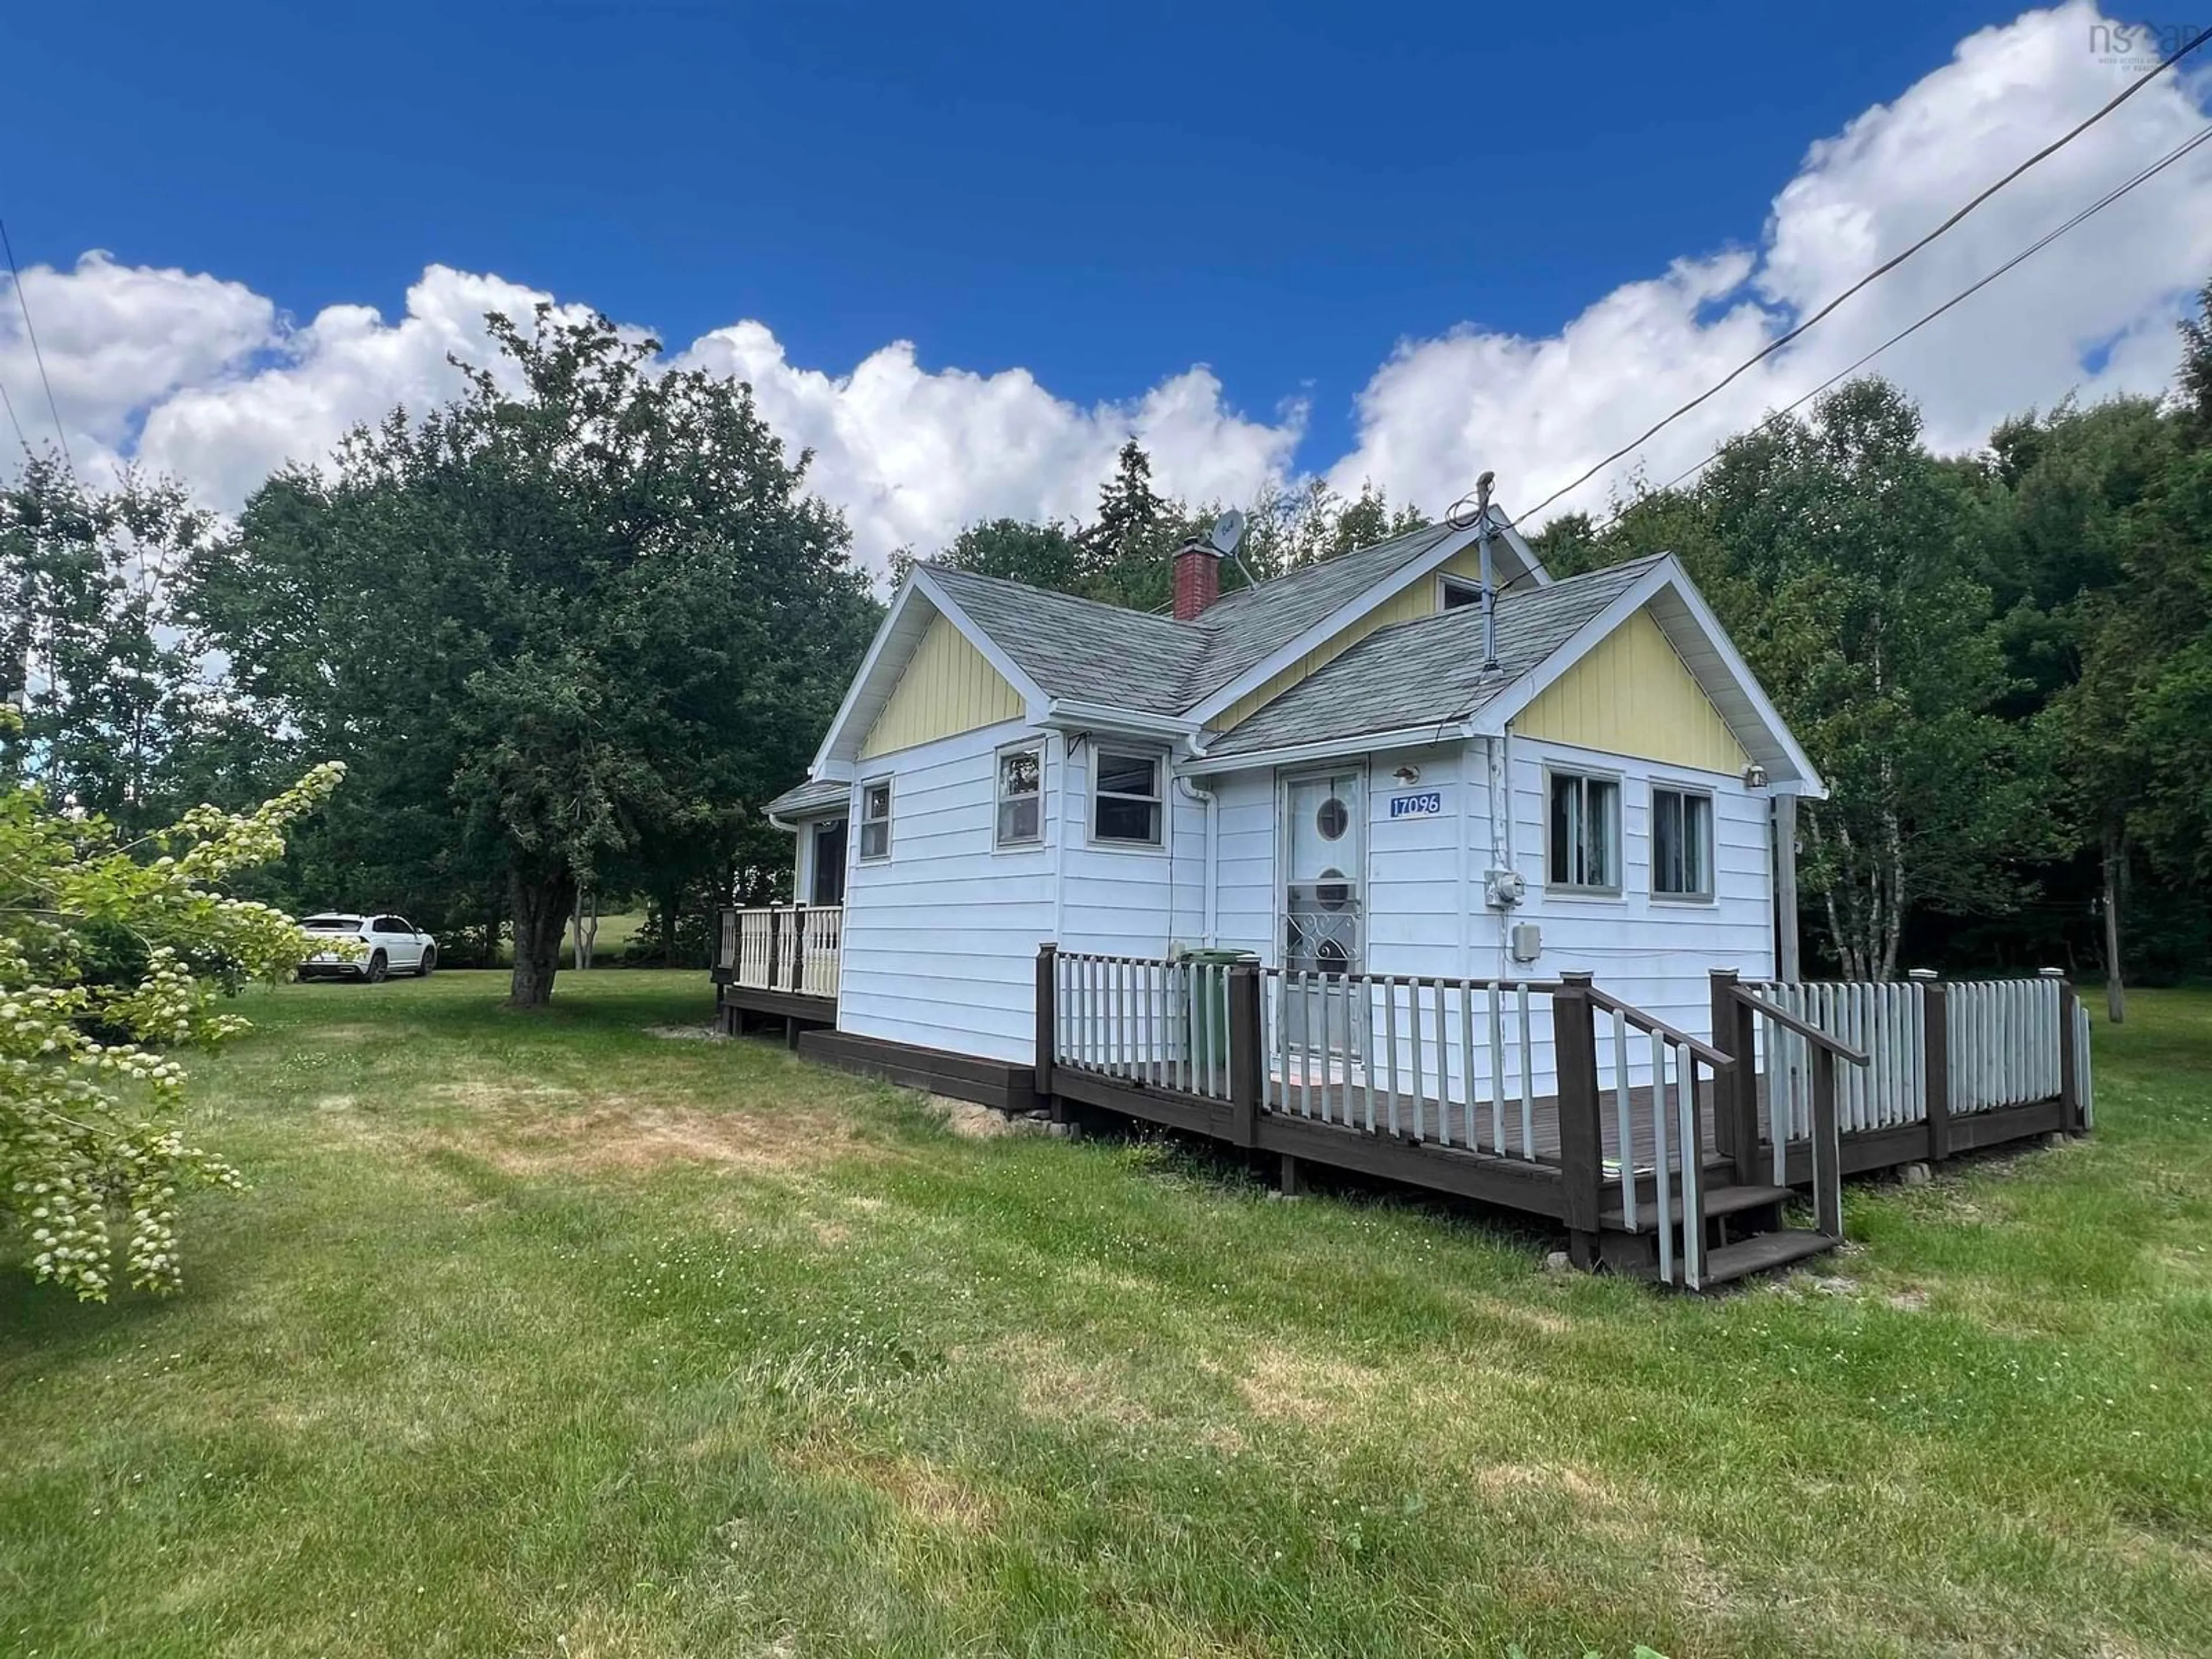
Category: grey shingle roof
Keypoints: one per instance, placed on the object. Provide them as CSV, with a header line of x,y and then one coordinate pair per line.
x,y
1429,671
1078,647
1081,648
809,798
1244,627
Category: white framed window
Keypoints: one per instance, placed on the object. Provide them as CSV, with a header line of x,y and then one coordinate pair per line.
x,y
875,820
1021,797
1584,839
1682,843
1125,796
1453,592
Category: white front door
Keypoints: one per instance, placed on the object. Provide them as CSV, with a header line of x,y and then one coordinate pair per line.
x,y
1324,906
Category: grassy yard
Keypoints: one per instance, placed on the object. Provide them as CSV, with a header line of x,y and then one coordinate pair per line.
x,y
554,1336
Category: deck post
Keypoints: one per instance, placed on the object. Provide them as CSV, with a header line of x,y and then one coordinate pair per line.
x,y
2070,1079
1935,1060
1827,1148
774,923
1048,1015
1735,1093
1245,1059
1582,1144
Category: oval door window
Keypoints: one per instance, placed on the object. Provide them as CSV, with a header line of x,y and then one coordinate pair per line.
x,y
1332,891
1332,817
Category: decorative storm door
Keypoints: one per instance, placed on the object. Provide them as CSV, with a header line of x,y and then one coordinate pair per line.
x,y
1322,936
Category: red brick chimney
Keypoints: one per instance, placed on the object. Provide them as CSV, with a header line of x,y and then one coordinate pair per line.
x,y
1197,579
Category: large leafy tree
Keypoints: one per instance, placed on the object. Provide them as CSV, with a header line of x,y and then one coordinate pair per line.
x,y
1833,547
570,630
1873,634
108,698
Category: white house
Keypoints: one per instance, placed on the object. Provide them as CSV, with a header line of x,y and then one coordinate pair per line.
x,y
1320,769
1508,862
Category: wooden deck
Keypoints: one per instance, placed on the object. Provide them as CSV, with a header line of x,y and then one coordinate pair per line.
x,y
1181,1045
1511,1179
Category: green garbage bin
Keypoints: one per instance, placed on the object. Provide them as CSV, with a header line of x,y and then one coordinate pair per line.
x,y
1206,1020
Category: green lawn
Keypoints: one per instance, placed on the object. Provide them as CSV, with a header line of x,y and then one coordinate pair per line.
x,y
552,1336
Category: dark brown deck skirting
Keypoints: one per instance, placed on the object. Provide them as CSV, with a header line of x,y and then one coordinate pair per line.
x,y
783,1004
995,1083
1511,1182
1514,1182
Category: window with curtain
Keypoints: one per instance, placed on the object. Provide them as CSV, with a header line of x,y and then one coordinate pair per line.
x,y
876,820
1585,833
1682,843
1021,796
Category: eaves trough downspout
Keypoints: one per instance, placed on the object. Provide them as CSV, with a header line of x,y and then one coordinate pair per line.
x,y
1212,805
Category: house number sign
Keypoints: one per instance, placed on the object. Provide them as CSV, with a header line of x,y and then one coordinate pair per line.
x,y
1421,804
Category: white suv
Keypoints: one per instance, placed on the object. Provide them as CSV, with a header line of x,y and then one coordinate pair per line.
x,y
378,945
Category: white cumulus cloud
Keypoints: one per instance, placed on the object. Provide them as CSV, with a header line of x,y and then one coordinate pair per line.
x,y
2092,314
189,374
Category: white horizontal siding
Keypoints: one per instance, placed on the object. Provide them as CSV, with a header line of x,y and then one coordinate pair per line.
x,y
1128,901
1245,902
941,940
1653,952
1413,900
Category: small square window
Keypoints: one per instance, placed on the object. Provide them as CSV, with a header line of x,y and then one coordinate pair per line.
x,y
1682,843
1021,797
1585,833
1457,592
876,820
1125,805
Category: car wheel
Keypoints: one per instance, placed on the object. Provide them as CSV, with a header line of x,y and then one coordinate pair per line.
x,y
424,968
378,968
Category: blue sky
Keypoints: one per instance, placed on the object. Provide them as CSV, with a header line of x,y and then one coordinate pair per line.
x,y
1101,196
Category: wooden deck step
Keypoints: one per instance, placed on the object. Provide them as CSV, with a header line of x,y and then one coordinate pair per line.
x,y
1719,1200
1768,1250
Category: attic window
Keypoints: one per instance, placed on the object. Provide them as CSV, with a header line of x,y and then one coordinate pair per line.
x,y
1458,593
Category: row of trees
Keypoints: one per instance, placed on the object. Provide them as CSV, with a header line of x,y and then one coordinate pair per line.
x,y
2002,663
567,631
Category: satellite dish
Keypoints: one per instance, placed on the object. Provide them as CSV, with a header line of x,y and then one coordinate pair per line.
x,y
1228,531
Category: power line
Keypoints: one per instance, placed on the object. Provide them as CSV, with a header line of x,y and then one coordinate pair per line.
x,y
38,356
9,404
2033,248
1883,268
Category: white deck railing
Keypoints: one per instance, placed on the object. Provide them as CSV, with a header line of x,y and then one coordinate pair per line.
x,y
2003,1048
784,947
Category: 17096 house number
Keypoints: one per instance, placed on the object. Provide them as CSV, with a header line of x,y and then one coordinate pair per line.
x,y
1421,804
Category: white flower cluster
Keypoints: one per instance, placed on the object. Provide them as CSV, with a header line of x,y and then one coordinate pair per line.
x,y
86,1131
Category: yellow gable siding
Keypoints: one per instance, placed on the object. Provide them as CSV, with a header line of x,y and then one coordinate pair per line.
x,y
1631,695
1417,600
949,687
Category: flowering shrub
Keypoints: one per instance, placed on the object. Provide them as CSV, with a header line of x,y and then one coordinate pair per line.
x,y
88,1141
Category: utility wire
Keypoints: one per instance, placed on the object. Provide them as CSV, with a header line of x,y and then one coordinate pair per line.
x,y
1883,268
9,404
38,356
1910,328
